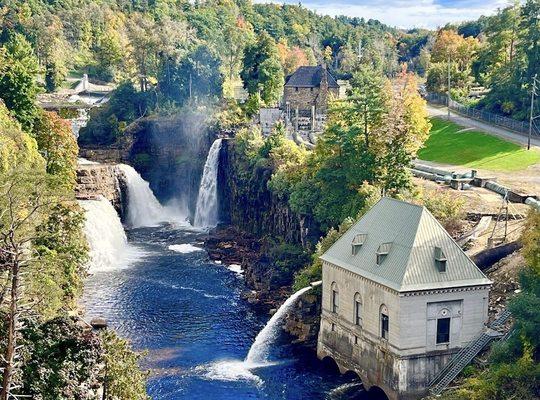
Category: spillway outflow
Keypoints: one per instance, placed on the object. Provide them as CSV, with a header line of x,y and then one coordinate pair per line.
x,y
109,248
143,209
260,349
206,213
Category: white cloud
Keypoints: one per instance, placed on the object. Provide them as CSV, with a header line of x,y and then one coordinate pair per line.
x,y
407,14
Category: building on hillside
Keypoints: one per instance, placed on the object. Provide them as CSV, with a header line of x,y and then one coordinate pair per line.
x,y
306,94
310,87
399,298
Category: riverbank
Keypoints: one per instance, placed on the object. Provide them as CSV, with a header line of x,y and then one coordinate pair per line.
x,y
234,247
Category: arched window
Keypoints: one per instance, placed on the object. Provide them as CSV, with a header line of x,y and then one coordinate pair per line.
x,y
385,322
357,309
335,298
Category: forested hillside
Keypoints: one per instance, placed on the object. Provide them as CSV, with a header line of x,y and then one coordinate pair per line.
x,y
163,56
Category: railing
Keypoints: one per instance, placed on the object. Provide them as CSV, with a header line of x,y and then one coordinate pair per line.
x,y
461,359
521,127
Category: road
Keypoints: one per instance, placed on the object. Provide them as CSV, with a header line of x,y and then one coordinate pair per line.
x,y
437,111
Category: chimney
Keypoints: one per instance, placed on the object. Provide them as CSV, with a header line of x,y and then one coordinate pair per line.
x,y
324,78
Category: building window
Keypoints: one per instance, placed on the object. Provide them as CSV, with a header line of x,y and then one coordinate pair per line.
x,y
356,340
335,298
296,89
333,327
440,259
357,309
382,252
311,89
385,322
443,330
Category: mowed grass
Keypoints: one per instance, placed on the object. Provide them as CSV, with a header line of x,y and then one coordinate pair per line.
x,y
450,143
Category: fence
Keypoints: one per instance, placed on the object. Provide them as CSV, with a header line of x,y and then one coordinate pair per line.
x,y
521,127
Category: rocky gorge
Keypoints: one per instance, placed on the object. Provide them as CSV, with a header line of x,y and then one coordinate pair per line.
x,y
169,155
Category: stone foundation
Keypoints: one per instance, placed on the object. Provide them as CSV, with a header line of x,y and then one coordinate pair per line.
x,y
401,378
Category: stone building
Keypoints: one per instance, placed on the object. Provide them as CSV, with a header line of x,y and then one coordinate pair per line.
x,y
309,87
399,298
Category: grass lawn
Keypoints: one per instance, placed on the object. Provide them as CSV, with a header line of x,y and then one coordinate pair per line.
x,y
449,143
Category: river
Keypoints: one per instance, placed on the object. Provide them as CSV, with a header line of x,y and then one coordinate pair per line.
x,y
188,313
154,283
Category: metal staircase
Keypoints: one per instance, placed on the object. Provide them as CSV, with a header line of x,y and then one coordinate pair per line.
x,y
461,359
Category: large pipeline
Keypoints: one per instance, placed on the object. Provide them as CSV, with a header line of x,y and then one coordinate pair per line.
x,y
533,203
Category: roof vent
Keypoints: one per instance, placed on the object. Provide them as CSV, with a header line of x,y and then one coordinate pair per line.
x,y
440,259
357,242
382,252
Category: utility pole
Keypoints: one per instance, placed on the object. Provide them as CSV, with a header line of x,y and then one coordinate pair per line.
x,y
448,87
532,117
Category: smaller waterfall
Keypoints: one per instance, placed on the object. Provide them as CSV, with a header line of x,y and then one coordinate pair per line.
x,y
206,213
105,235
143,208
258,353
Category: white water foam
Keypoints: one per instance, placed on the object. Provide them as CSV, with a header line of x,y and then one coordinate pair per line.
x,y
184,248
236,268
143,209
109,248
230,370
337,393
233,370
84,161
206,213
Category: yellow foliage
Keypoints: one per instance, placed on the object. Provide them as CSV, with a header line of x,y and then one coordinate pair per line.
x,y
16,146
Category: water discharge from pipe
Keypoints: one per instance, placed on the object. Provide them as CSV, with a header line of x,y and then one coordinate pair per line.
x,y
206,212
260,349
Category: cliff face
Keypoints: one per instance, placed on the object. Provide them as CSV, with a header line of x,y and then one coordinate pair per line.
x,y
304,320
249,205
95,180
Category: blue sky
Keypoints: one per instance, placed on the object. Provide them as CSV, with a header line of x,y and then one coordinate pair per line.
x,y
405,13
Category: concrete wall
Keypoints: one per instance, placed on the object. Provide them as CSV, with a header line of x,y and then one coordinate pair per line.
x,y
404,364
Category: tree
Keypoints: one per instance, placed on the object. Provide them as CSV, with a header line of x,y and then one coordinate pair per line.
x,y
16,147
371,137
123,379
262,70
26,198
18,87
196,76
58,146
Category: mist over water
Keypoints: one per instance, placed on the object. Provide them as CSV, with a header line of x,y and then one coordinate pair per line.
x,y
178,146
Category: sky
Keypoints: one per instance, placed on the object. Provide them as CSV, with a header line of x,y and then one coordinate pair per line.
x,y
405,13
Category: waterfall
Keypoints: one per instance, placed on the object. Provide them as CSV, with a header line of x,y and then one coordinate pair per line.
x,y
105,235
258,353
143,209
206,213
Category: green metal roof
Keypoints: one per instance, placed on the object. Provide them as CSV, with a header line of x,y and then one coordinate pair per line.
x,y
411,235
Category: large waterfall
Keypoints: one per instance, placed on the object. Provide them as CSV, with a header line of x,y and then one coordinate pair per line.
x,y
105,235
206,213
260,349
143,209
